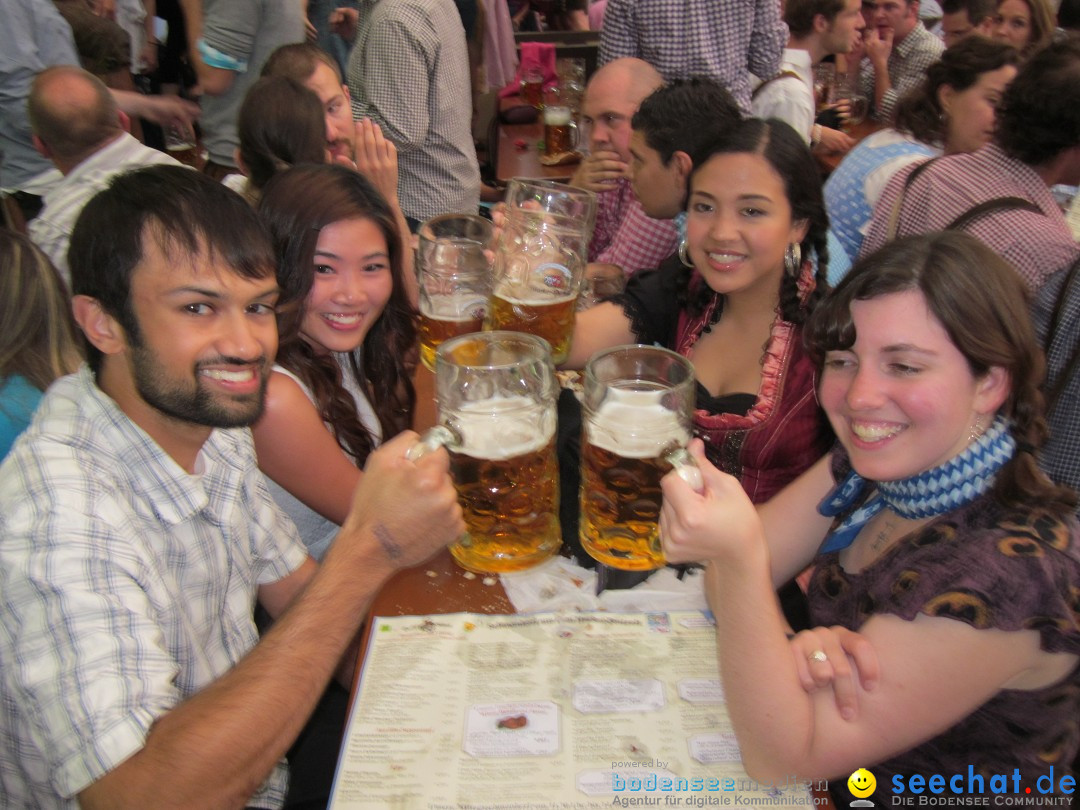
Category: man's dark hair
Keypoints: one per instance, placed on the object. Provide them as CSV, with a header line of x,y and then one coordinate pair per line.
x,y
977,10
799,14
186,212
1039,115
685,115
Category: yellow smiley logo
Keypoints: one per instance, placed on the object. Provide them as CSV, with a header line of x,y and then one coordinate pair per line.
x,y
861,783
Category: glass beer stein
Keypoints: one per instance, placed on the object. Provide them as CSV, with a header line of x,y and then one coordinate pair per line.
x,y
560,130
636,422
496,395
540,260
454,269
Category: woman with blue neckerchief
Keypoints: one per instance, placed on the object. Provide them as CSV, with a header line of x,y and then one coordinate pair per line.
x,y
934,536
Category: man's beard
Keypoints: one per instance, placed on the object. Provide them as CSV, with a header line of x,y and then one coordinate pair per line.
x,y
196,404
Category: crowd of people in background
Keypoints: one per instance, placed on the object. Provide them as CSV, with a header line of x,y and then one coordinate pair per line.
x,y
206,371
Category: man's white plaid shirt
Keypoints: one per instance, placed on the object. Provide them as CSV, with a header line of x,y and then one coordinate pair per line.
x,y
126,586
409,73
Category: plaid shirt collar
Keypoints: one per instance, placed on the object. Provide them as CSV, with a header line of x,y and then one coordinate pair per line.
x,y
171,492
913,40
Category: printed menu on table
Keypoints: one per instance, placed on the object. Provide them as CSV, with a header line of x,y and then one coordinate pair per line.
x,y
545,712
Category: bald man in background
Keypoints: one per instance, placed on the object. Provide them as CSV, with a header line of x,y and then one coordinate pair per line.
x,y
77,125
625,237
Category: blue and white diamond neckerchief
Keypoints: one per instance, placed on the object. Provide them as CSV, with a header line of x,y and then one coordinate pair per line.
x,y
957,482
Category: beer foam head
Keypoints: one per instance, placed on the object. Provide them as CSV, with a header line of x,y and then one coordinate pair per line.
x,y
635,424
504,427
557,116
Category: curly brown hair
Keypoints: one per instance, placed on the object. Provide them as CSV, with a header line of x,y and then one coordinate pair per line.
x,y
982,303
919,113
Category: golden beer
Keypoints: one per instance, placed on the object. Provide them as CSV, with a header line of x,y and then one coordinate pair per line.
x,y
532,90
186,153
622,462
549,318
559,136
444,317
507,481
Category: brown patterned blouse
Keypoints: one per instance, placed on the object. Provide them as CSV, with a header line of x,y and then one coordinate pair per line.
x,y
991,567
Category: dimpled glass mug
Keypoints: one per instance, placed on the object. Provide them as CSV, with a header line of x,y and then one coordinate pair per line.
x,y
540,260
496,395
453,262
637,413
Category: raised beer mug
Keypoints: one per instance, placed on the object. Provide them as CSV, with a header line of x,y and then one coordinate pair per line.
x,y
496,394
540,260
454,271
636,422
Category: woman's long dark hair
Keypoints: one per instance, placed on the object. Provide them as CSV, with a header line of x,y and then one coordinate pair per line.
x,y
789,156
919,113
296,205
982,303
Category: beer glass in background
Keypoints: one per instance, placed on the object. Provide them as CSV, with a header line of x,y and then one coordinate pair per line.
x,y
496,394
824,78
454,266
636,421
532,86
848,99
540,260
570,71
560,129
182,144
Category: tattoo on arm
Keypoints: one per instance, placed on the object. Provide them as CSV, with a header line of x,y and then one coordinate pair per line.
x,y
386,540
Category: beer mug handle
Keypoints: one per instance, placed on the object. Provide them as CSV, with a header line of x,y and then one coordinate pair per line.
x,y
431,440
575,134
686,468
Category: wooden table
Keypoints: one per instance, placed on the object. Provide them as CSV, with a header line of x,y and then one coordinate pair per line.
x,y
516,160
440,585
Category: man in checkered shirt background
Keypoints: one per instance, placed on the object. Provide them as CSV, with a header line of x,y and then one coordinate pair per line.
x,y
409,73
625,239
685,38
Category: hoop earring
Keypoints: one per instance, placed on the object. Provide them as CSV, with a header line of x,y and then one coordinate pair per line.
x,y
683,257
793,259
